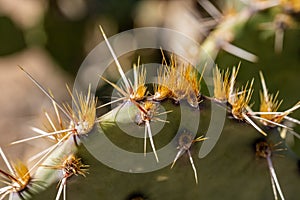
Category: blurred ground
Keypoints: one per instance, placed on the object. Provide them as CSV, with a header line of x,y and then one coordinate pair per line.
x,y
21,102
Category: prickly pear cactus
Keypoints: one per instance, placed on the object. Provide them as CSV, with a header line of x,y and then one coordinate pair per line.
x,y
179,138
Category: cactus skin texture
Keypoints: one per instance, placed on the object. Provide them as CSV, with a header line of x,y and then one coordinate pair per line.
x,y
233,163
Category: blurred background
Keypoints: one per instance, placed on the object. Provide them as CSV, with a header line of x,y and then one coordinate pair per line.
x,y
51,38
